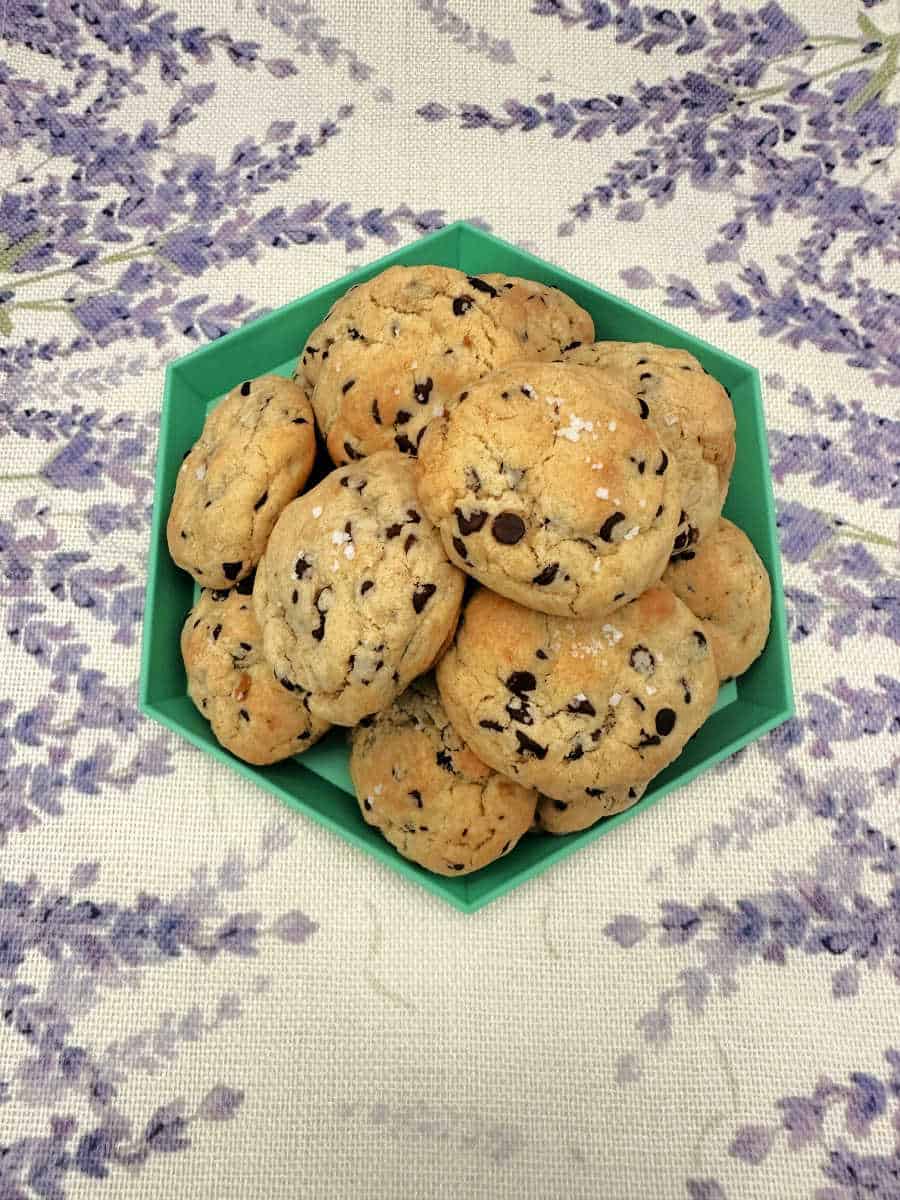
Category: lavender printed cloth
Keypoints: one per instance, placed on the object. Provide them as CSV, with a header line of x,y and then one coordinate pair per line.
x,y
204,995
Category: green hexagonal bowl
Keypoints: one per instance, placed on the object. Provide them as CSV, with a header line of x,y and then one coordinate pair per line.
x,y
317,784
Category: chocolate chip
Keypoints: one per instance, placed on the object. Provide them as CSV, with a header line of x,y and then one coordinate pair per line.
x,y
422,391
471,523
480,286
244,714
347,386
461,305
218,594
521,681
473,480
404,445
508,528
685,557
642,660
245,388
530,747
519,712
367,804
560,805
493,725
595,791
574,754
665,721
409,543
701,640
582,705
246,646
376,415
422,595
183,534
680,542
393,531
606,529
571,346
457,866
299,421
402,417
261,501
301,566
659,512
354,334
413,516
648,740
443,759
367,584
216,632
294,596
460,547
646,375
632,794
352,454
287,685
641,705
230,569
417,796
687,690
645,408
547,575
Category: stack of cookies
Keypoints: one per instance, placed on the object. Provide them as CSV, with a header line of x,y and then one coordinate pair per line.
x,y
515,587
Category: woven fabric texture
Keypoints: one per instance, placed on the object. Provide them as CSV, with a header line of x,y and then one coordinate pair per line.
x,y
205,995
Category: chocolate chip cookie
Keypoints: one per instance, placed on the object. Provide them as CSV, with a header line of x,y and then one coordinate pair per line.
x,y
431,797
725,585
355,595
571,816
690,411
233,685
548,488
545,320
391,353
253,456
573,707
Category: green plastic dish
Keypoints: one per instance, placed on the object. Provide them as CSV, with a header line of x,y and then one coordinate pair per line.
x,y
318,783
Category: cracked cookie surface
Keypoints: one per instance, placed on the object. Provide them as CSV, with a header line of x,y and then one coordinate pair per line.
x,y
253,456
394,350
569,706
548,488
690,411
432,798
355,595
571,816
233,684
726,586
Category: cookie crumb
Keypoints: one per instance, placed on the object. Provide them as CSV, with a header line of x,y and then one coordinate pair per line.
x,y
615,698
602,493
317,511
